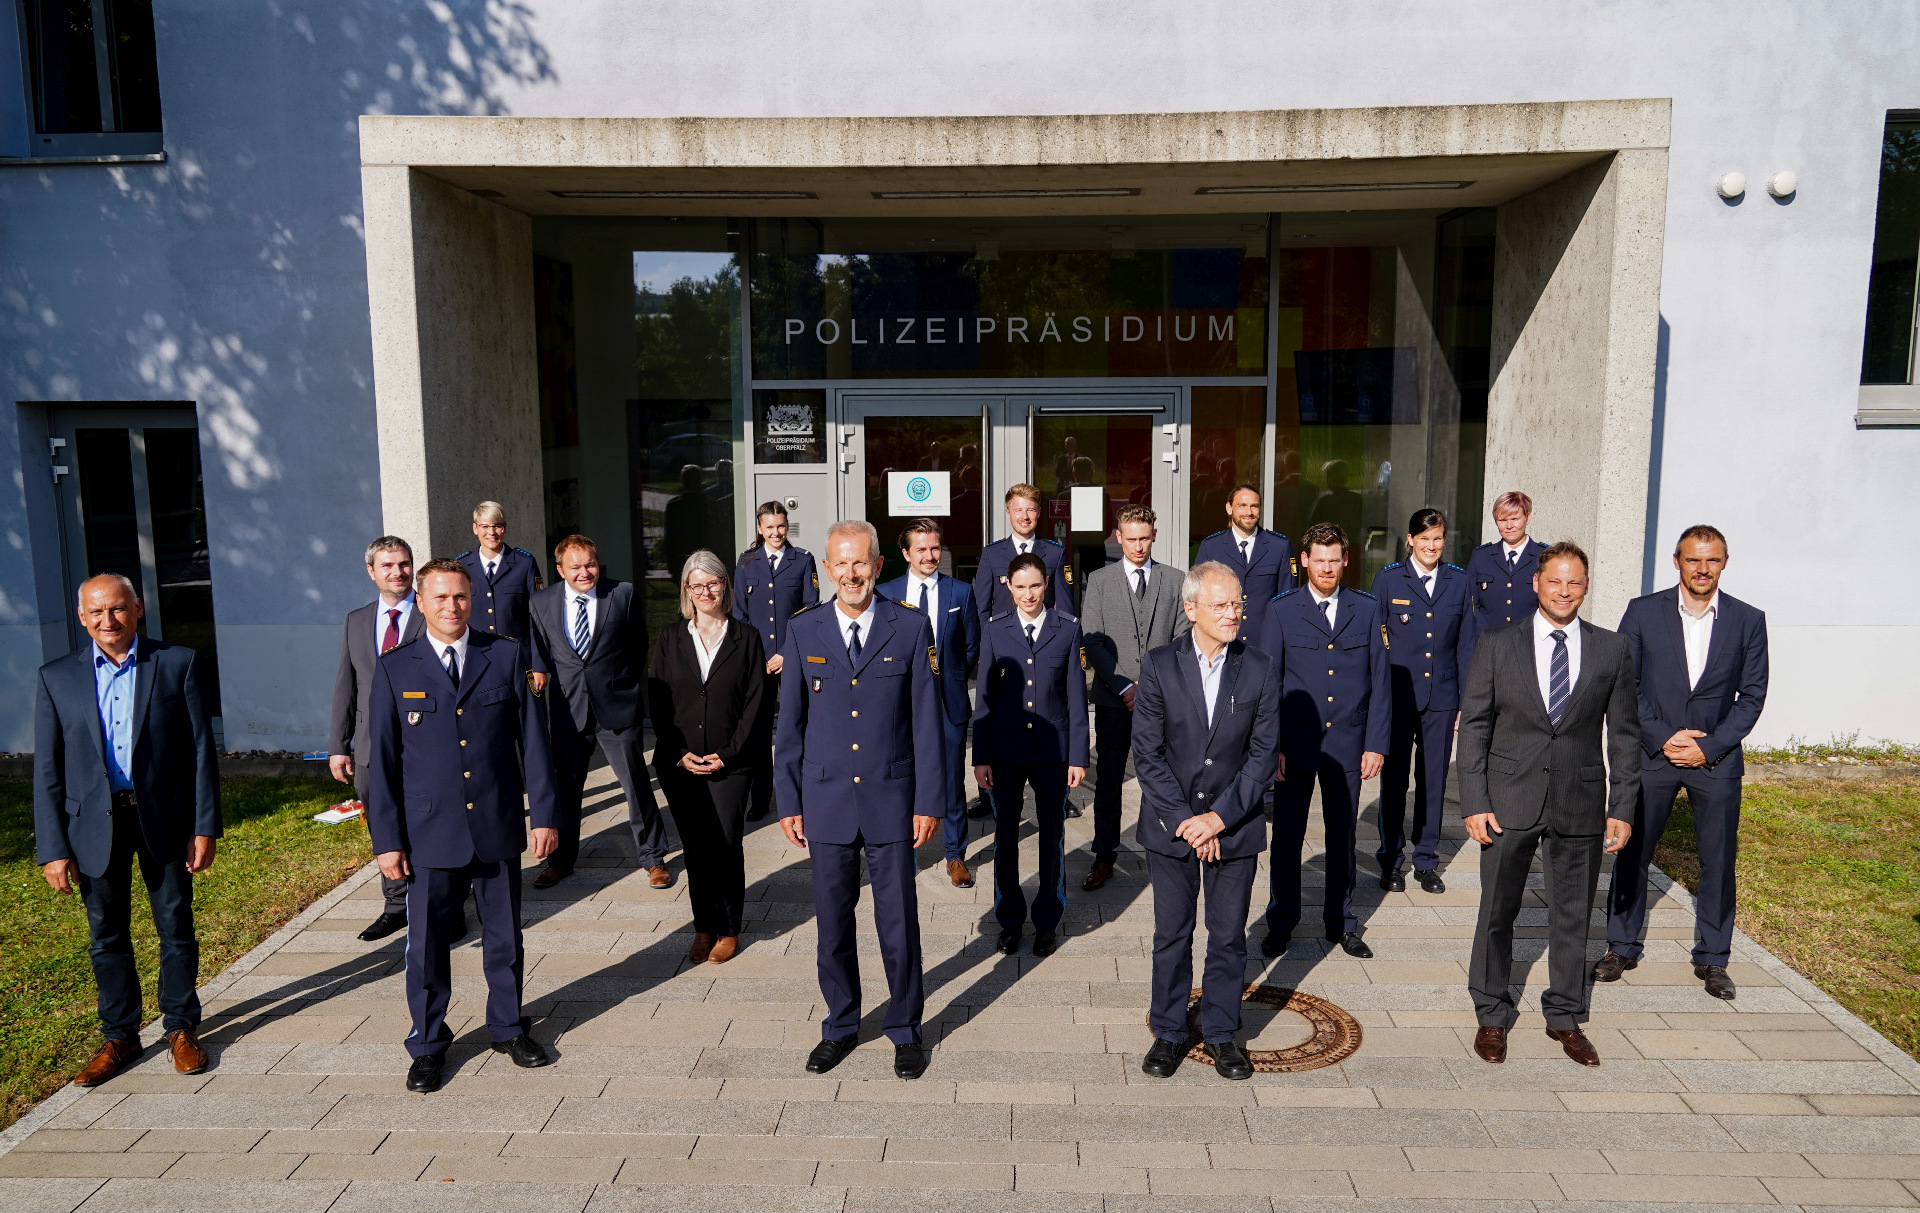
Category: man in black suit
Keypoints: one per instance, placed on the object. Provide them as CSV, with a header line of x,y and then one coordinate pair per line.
x,y
1701,658
591,632
1533,778
385,623
124,769
1206,732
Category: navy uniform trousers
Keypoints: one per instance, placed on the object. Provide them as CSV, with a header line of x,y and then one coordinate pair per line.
x,y
1228,887
1432,732
1339,808
436,908
1716,818
836,894
1049,783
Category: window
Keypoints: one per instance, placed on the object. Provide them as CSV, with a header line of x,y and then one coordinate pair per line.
x,y
92,78
1888,354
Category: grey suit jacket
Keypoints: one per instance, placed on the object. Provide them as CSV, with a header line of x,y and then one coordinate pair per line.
x,y
1515,764
1113,637
347,729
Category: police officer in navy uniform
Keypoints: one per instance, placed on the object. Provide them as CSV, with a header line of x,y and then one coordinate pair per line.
x,y
458,741
504,582
1262,559
990,595
773,580
1500,574
1424,601
860,771
1030,727
1336,715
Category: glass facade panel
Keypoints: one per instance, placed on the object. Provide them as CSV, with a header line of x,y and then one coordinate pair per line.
x,y
1228,425
1888,356
1103,460
1015,298
181,559
927,444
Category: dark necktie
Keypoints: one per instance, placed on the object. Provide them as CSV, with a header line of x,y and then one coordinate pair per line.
x,y
1326,612
853,642
491,566
580,627
1511,559
1245,556
1559,683
1140,584
392,637
453,666
923,599
1426,584
1022,545
1030,629
773,564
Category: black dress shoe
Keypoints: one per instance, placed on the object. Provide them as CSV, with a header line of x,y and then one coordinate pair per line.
x,y
909,1061
1230,1061
981,808
1045,943
1612,965
1394,882
385,925
1009,941
1275,944
526,1052
1163,1058
1073,810
1715,976
423,1076
1430,881
1352,945
829,1053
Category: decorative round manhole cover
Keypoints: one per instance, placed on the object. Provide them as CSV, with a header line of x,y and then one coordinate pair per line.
x,y
1336,1034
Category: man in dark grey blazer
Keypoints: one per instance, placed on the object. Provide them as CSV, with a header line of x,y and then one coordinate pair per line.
x,y
386,623
1126,610
1533,778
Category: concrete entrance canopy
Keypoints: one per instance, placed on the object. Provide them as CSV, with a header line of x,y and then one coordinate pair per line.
x,y
1581,187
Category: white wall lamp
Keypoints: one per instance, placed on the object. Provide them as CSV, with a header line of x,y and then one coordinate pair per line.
x,y
1731,185
1783,184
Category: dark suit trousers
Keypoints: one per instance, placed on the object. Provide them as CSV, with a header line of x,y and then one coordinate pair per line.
x,y
1049,780
1433,733
1339,809
434,911
1177,884
896,917
1716,818
626,754
109,902
1571,863
393,892
1113,738
763,747
710,814
953,828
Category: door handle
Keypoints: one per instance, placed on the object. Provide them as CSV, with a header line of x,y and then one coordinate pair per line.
x,y
1172,458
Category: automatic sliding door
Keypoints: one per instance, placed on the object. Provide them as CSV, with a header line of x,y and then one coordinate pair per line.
x,y
1092,459
913,457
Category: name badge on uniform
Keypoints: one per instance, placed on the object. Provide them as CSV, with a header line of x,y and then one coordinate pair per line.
x,y
414,717
818,660
413,694
1403,602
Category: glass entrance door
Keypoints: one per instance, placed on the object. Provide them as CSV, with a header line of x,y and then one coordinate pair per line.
x,y
912,456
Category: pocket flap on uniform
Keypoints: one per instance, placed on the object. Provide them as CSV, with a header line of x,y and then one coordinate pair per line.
x,y
497,695
416,701
813,770
901,770
1593,774
1502,764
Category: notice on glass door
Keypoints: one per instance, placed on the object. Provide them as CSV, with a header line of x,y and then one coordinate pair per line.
x,y
919,494
1089,507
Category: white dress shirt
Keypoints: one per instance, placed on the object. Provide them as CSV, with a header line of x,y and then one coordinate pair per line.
x,y
573,608
1243,543
380,609
773,559
1210,675
1022,546
1134,573
914,582
1333,600
459,648
700,649
1697,631
492,563
1543,655
1038,623
846,625
1423,576
1515,550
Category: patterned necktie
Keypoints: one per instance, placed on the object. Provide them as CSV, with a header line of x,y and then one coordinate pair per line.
x,y
1140,584
853,642
580,627
453,666
392,637
1030,630
1559,682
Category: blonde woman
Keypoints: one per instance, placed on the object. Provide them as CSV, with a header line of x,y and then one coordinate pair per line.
x,y
706,684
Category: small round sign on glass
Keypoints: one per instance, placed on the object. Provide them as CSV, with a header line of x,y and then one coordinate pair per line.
x,y
919,488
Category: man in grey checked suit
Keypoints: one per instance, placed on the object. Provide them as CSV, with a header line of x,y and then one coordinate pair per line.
x,y
1127,609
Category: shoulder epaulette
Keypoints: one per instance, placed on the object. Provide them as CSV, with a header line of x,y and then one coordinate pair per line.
x,y
999,617
1360,592
1276,534
1283,593
803,610
1456,568
524,552
1396,564
1489,543
464,555
1215,535
1054,542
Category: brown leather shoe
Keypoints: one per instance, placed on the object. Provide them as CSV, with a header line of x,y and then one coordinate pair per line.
x,y
958,874
1491,1044
702,947
659,877
112,1057
188,1056
1717,982
550,876
1578,1047
1098,875
723,949
1611,966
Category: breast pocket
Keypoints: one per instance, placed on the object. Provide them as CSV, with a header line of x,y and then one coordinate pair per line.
x,y
1502,764
497,695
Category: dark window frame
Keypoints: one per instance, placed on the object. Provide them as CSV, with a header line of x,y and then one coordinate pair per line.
x,y
1892,332
118,118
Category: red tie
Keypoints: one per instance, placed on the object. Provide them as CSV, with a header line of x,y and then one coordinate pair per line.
x,y
392,637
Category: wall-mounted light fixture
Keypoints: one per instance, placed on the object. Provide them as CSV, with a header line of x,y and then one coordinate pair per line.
x,y
1731,185
1783,184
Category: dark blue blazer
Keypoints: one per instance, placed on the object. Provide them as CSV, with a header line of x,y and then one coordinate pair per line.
x,y
1423,635
990,595
1033,702
860,750
1188,767
1336,697
1732,689
446,783
957,636
1495,599
610,681
765,603
500,605
176,777
1271,572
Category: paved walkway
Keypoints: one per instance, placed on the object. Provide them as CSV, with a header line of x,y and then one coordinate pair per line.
x,y
680,1086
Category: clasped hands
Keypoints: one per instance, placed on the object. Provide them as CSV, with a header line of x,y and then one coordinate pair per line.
x,y
1202,832
1682,750
1370,764
795,829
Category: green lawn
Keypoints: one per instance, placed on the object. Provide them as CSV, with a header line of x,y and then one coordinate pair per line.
x,y
1829,881
272,864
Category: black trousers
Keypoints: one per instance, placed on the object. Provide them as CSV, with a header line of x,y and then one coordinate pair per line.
x,y
1716,818
1432,734
1049,780
763,748
109,901
710,814
392,892
626,754
1339,811
1177,885
1113,743
1571,863
433,915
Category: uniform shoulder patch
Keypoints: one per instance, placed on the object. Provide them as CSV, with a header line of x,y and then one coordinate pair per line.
x,y
1489,543
803,610
524,552
1363,594
1215,535
1456,568
933,658
464,555
1396,564
1284,593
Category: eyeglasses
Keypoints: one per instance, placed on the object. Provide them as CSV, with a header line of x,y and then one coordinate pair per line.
x,y
706,589
1223,610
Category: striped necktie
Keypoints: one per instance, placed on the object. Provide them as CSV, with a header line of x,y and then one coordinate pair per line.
x,y
1559,683
580,627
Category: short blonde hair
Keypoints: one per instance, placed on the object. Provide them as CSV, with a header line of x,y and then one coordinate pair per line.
x,y
1030,491
489,511
702,561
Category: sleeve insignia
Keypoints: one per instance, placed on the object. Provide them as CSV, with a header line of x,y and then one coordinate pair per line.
x,y
530,683
1383,636
1294,564
1084,667
933,658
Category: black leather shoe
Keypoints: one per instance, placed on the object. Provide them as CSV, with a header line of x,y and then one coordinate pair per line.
x,y
1009,941
1275,944
981,808
526,1052
423,1076
1718,983
829,1053
1430,881
1163,1058
1612,965
1394,882
1230,1061
1352,945
1045,943
909,1061
1073,810
385,925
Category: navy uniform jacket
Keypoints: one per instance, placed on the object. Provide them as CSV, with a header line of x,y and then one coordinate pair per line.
x,y
1033,702
860,750
765,603
446,784
1732,687
1336,697
1270,573
1495,599
1188,767
1423,635
956,634
176,777
500,605
990,595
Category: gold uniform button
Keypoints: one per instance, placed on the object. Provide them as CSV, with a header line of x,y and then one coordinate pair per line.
x,y
856,745
1429,654
1029,724
1429,616
463,741
1029,682
1429,635
853,682
1329,673
459,711
469,804
1329,646
1428,674
1329,699
1029,703
1029,661
856,715
856,779
466,774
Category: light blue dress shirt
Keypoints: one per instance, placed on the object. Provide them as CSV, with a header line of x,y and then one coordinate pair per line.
x,y
1210,676
113,690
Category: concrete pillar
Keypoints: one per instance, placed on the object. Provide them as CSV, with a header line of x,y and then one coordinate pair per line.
x,y
450,286
1576,310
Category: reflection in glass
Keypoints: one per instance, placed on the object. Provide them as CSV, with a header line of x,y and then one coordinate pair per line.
x,y
1228,424
927,444
180,553
107,513
1888,357
1113,453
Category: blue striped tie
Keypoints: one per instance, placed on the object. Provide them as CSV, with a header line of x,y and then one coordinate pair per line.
x,y
580,627
1559,683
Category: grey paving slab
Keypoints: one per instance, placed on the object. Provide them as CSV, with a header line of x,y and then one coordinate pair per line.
x,y
935,1200
1365,1127
1607,1131
670,1116
45,1195
216,1112
1791,1077
463,1113
715,1198
377,1196
985,1122
214,1196
1826,1134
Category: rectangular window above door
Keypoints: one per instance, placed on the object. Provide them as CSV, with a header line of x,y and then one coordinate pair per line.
x,y
91,80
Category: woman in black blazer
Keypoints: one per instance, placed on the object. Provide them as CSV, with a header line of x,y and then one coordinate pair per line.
x,y
707,728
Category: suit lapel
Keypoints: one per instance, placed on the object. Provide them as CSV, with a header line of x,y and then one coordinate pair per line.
x,y
416,622
1718,644
475,666
729,645
142,688
601,594
1523,643
871,644
84,684
1188,664
1224,696
1587,665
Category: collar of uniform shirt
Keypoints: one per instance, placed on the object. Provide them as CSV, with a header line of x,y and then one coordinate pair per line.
x,y
1712,609
1038,622
1028,544
1418,572
459,648
1240,537
865,621
1518,549
1319,598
